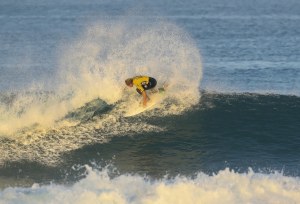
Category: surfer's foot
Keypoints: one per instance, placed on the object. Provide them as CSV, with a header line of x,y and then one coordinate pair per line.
x,y
161,90
153,91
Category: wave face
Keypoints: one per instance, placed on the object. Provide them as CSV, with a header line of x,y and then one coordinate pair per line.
x,y
224,187
235,131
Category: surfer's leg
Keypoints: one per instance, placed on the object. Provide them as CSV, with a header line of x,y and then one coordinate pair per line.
x,y
139,91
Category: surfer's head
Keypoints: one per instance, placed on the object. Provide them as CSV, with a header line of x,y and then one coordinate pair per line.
x,y
129,82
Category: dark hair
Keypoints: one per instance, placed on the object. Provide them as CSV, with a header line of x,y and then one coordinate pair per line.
x,y
128,81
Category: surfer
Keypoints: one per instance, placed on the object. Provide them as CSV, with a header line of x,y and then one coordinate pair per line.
x,y
142,83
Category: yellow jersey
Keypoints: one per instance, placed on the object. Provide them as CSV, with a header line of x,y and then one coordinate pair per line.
x,y
140,82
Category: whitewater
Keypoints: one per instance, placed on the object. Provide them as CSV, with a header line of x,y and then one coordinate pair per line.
x,y
91,79
225,187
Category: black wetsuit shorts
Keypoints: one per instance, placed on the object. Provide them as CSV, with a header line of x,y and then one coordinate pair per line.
x,y
151,84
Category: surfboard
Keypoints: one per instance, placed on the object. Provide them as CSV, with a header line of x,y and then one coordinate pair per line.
x,y
155,99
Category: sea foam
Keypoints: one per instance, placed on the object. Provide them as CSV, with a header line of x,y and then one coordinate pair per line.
x,y
224,187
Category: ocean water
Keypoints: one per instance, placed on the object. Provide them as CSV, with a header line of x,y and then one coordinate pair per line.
x,y
227,130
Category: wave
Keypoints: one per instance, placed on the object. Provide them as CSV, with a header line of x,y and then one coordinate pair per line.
x,y
95,66
224,187
274,116
88,95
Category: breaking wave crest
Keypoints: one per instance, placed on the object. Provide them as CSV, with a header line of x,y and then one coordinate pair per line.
x,y
88,96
